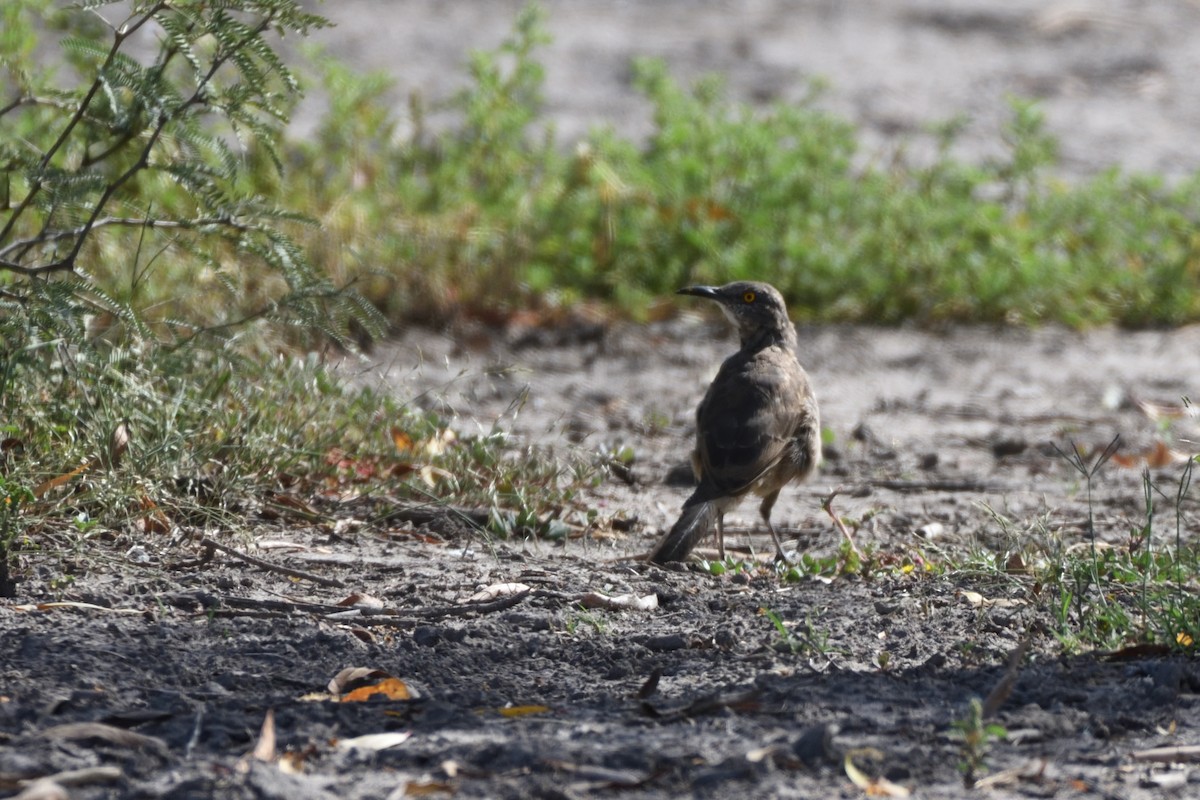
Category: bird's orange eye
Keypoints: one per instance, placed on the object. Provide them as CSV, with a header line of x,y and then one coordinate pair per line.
x,y
749,297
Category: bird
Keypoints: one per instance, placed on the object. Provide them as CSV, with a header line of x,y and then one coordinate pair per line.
x,y
758,427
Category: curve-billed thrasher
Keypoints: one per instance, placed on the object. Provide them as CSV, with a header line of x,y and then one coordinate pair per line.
x,y
757,428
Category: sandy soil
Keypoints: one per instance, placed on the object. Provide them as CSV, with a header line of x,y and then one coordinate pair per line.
x,y
1115,77
934,434
938,437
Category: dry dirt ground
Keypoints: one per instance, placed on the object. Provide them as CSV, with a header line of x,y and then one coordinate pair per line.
x,y
700,694
942,444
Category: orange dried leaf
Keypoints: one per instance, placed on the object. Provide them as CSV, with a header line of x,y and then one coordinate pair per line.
x,y
153,519
388,688
403,441
1157,457
523,711
54,483
423,788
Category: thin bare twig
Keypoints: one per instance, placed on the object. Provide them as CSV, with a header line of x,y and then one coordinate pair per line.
x,y
1167,755
269,566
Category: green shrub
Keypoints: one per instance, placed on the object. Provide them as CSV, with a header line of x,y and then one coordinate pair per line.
x,y
495,213
130,185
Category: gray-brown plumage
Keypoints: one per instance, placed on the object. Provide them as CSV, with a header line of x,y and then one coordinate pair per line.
x,y
757,428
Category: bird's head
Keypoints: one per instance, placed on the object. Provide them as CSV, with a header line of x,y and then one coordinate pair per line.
x,y
756,309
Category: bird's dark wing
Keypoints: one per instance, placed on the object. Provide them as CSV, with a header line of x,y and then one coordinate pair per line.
x,y
748,419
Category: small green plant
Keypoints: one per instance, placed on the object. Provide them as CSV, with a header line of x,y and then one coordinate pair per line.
x,y
12,498
1087,579
730,566
808,641
975,737
1141,591
586,617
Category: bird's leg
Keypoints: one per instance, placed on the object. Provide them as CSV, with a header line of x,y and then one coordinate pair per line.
x,y
721,536
765,509
827,504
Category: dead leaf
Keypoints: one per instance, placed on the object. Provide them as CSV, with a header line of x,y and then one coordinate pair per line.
x,y
877,787
439,443
1016,565
118,444
362,634
621,602
43,789
291,762
422,788
979,601
351,678
1157,457
77,731
52,787
294,503
496,591
1157,411
402,440
388,688
1080,547
433,475
54,483
264,750
344,527
374,742
361,600
1137,652
522,711
153,519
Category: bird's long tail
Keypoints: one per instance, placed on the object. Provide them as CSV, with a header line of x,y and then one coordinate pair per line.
x,y
694,523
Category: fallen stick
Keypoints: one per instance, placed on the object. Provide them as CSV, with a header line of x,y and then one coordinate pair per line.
x,y
1166,755
270,567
